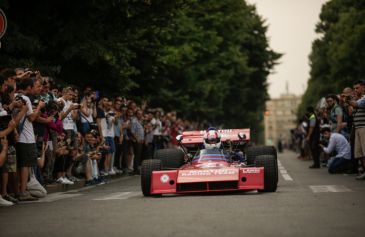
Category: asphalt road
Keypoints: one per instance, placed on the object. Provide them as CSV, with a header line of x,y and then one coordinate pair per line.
x,y
307,203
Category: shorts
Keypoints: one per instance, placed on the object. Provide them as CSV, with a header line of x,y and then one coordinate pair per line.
x,y
10,162
109,141
26,154
359,149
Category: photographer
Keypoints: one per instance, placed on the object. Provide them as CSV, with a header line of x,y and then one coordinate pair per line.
x,y
340,147
87,113
26,147
69,115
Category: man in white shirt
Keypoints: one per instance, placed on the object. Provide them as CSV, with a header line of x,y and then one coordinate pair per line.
x,y
69,115
26,146
340,147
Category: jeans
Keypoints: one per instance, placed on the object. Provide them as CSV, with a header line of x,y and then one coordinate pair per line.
x,y
338,165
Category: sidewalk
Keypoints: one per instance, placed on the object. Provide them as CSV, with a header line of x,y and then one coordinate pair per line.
x,y
53,188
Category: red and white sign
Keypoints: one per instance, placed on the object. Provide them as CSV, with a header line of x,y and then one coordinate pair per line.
x,y
3,23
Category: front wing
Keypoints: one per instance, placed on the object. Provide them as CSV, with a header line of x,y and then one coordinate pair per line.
x,y
207,180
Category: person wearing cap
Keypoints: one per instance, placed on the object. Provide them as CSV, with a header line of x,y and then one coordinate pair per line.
x,y
337,145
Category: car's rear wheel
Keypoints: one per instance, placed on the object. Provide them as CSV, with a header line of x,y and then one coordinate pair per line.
x,y
253,152
170,158
270,171
146,174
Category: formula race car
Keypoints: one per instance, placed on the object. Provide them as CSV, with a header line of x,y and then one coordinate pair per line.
x,y
211,161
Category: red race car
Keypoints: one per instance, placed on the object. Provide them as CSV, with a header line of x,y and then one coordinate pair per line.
x,y
211,161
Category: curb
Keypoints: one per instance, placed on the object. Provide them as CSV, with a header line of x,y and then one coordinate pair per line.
x,y
53,188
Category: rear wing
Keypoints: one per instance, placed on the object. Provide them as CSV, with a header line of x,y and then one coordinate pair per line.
x,y
196,137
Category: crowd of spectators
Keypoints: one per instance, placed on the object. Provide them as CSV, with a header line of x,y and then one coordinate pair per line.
x,y
333,133
51,134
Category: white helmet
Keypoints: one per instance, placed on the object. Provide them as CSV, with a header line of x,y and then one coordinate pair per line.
x,y
212,139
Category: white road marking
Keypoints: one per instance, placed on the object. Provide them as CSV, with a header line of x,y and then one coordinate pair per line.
x,y
284,172
329,188
287,177
119,196
58,196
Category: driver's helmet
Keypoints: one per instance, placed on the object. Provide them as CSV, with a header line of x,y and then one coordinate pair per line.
x,y
212,139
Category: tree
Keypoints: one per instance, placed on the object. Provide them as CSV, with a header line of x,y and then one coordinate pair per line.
x,y
337,56
209,60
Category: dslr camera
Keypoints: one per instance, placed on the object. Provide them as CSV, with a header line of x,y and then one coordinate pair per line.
x,y
20,98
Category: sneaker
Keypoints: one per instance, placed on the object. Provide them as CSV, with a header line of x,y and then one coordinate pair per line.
x,y
67,181
361,176
99,181
9,198
60,180
26,197
112,172
89,183
5,203
118,171
314,166
103,173
72,178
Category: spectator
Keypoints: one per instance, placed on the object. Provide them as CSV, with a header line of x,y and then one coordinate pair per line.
x,y
26,146
312,137
5,199
118,138
335,113
105,120
137,131
157,128
340,147
358,102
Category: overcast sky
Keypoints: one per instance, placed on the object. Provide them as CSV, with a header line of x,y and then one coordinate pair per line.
x,y
291,32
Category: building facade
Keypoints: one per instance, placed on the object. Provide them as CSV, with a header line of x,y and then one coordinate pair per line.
x,y
280,117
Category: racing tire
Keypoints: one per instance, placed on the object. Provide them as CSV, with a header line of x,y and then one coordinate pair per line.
x,y
254,151
270,172
170,158
146,175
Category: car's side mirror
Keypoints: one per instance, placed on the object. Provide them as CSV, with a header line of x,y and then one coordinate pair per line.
x,y
179,138
241,136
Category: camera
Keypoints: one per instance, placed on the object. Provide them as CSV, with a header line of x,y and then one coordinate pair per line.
x,y
20,98
36,101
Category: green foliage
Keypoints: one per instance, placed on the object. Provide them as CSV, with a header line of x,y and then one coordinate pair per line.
x,y
209,60
337,56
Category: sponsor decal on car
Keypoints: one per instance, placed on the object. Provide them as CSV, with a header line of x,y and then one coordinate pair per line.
x,y
210,165
164,178
208,172
250,170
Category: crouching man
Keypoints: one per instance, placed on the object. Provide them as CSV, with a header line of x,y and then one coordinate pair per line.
x,y
339,146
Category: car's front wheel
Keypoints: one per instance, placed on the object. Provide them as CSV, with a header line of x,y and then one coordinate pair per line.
x,y
146,174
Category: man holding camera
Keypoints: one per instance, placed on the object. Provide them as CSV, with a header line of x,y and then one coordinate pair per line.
x,y
358,102
26,146
340,147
